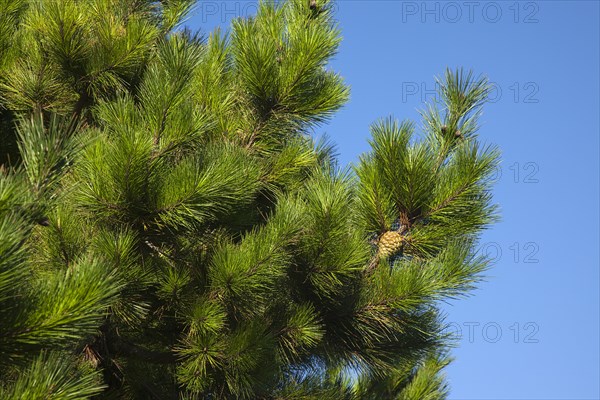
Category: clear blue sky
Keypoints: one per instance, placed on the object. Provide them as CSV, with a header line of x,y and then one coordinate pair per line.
x,y
532,330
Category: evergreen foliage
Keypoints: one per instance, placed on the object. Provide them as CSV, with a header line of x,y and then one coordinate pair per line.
x,y
170,229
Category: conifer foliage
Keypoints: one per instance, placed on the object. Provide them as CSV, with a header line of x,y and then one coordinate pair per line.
x,y
170,229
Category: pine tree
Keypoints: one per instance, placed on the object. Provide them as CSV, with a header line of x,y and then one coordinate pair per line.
x,y
170,229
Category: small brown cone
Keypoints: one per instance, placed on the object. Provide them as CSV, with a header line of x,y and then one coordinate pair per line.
x,y
313,4
389,243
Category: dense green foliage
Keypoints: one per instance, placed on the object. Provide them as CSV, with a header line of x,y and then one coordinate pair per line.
x,y
170,229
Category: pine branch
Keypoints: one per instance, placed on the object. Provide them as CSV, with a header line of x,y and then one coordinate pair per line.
x,y
124,348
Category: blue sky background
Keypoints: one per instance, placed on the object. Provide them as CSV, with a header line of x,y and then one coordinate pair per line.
x,y
532,330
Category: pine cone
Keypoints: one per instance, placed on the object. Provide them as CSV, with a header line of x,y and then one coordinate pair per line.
x,y
444,129
389,243
313,4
